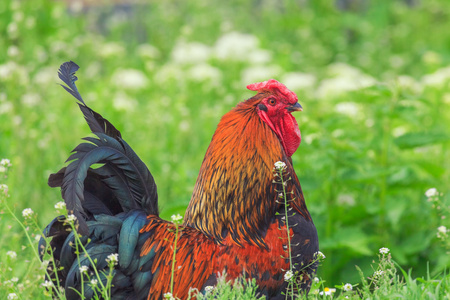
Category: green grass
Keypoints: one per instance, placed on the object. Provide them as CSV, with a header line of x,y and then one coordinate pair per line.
x,y
375,125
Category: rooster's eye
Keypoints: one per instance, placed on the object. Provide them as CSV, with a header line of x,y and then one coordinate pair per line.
x,y
272,101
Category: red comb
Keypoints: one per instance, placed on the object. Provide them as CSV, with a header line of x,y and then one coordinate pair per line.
x,y
274,86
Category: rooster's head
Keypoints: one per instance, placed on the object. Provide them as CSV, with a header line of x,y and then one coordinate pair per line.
x,y
275,108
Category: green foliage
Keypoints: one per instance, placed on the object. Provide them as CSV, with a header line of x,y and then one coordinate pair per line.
x,y
373,81
224,290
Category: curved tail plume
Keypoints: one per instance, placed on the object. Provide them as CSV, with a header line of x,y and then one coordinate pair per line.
x,y
121,184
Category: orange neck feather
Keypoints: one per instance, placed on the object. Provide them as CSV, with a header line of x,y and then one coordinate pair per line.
x,y
234,193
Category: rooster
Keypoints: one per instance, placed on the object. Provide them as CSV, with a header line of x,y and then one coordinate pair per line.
x,y
235,221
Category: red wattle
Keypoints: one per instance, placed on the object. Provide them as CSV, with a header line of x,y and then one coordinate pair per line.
x,y
290,134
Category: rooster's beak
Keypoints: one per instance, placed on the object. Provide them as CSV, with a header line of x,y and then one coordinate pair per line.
x,y
295,107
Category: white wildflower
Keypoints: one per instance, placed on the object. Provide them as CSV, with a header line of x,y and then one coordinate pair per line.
x,y
168,72
7,106
345,78
409,83
169,296
4,188
279,165
190,53
14,279
378,273
113,258
123,102
3,169
27,213
384,250
177,218
431,193
45,76
346,199
319,255
47,284
288,275
12,296
111,49
442,232
11,254
13,51
205,72
236,46
30,99
12,30
94,282
260,57
71,218
327,291
316,279
60,205
208,288
347,287
84,269
350,109
438,78
147,51
45,264
130,79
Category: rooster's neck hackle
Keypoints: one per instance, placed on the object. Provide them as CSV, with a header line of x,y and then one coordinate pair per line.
x,y
234,193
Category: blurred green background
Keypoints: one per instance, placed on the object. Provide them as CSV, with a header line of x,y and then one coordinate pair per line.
x,y
372,76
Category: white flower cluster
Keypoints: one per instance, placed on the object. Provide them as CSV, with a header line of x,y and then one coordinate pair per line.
x,y
47,284
319,255
177,219
11,254
113,258
442,232
209,288
288,275
12,296
84,269
431,193
71,218
327,292
60,205
168,296
384,250
4,165
27,213
378,273
347,287
4,189
343,78
279,165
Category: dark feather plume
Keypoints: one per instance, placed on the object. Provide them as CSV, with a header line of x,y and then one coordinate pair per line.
x,y
122,184
96,122
67,74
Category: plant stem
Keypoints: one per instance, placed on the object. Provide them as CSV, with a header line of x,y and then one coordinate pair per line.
x,y
280,172
173,258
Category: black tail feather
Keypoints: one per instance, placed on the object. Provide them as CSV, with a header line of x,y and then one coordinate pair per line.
x,y
111,192
96,122
122,184
66,73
